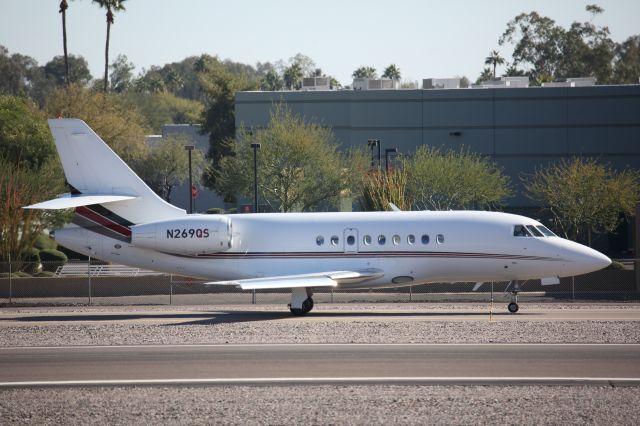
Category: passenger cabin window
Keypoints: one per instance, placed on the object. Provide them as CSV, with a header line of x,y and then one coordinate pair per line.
x,y
440,239
351,240
425,239
520,231
396,240
319,240
382,240
546,231
335,240
411,239
367,240
534,231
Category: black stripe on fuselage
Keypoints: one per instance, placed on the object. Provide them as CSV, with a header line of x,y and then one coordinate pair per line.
x,y
377,254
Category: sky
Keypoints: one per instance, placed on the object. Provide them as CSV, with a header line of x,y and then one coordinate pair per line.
x,y
425,39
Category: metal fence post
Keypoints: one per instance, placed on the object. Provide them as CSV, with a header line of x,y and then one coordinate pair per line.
x,y
410,293
573,287
170,289
253,297
10,281
331,295
89,277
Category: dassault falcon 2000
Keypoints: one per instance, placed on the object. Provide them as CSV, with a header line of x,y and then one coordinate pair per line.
x,y
118,218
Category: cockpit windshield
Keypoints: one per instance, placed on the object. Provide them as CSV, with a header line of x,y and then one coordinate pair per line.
x,y
532,231
546,231
520,231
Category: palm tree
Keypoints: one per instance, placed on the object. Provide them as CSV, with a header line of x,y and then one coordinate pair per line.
x,y
392,72
63,10
494,59
111,6
365,72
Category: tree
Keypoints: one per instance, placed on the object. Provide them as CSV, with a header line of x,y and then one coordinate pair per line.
x,y
121,74
627,64
167,165
494,59
117,124
365,72
391,72
30,173
79,72
584,196
299,165
454,180
485,75
158,109
292,76
63,10
25,138
551,52
306,64
111,6
218,117
271,81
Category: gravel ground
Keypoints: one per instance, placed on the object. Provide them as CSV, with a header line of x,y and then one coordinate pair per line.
x,y
246,329
348,405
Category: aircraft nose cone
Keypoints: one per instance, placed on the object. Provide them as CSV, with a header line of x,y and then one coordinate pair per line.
x,y
591,260
600,260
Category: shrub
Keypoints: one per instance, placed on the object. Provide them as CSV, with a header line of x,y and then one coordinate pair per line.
x,y
31,262
52,259
44,274
43,242
215,210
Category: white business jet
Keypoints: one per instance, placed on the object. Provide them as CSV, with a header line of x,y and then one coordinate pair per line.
x,y
118,218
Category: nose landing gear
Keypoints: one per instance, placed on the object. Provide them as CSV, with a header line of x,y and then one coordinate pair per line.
x,y
514,288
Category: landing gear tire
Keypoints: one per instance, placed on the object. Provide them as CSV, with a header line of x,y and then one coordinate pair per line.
x,y
307,306
513,307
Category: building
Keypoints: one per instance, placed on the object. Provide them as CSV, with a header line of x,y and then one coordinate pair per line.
x,y
521,128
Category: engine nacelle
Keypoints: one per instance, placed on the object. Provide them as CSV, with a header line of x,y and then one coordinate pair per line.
x,y
190,235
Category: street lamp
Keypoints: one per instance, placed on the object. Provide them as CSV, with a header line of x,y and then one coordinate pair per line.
x,y
255,147
372,143
386,157
190,148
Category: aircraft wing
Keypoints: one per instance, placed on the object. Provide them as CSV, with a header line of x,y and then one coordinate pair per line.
x,y
318,279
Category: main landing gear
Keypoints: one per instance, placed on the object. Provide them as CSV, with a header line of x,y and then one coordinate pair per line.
x,y
514,288
301,301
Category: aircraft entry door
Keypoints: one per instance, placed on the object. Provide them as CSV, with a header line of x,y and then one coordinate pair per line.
x,y
350,240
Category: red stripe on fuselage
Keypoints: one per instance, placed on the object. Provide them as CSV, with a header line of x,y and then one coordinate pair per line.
x,y
101,220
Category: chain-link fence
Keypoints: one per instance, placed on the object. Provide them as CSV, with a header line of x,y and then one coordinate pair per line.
x,y
86,282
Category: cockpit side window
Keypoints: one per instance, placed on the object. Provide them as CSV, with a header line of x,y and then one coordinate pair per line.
x,y
534,231
520,231
546,231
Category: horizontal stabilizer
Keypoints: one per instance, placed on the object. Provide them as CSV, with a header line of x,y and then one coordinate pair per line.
x,y
319,279
68,201
550,281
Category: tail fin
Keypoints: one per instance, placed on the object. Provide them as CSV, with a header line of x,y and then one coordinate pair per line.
x,y
94,170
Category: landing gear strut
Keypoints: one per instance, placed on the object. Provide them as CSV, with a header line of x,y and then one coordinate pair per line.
x,y
301,301
513,288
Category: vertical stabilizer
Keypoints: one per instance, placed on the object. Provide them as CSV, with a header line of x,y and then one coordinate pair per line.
x,y
91,167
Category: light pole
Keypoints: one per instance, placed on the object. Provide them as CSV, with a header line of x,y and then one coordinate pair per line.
x,y
255,147
386,157
371,143
190,148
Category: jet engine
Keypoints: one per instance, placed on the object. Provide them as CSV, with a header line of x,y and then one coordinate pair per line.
x,y
190,235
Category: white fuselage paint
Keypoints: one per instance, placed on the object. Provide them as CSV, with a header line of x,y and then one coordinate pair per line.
x,y
477,246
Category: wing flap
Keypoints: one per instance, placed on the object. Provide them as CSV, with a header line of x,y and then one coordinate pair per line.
x,y
319,279
69,201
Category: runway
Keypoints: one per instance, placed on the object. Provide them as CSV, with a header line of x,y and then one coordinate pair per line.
x,y
321,363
